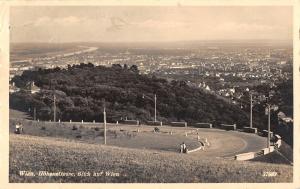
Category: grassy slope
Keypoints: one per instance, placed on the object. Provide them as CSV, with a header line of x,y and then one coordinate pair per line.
x,y
88,134
285,155
48,154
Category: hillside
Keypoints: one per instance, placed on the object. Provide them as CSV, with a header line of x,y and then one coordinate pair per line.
x,y
128,165
81,89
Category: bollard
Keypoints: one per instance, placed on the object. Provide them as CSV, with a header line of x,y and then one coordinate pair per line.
x,y
93,121
70,121
81,121
38,120
59,121
161,123
186,134
117,122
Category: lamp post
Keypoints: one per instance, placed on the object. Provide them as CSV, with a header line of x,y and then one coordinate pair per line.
x,y
269,123
54,101
268,111
54,108
34,114
155,108
104,121
251,110
155,99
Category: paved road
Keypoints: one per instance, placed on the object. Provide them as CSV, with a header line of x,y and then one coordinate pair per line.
x,y
222,143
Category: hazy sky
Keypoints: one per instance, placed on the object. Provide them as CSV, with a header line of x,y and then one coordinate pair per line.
x,y
136,24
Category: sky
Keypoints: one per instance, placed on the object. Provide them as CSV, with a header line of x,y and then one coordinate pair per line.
x,y
59,24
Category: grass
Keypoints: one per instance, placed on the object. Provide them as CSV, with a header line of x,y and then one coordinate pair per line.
x,y
285,155
31,153
151,157
273,157
93,134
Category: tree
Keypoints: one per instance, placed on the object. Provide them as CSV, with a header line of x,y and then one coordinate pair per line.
x,y
81,88
134,68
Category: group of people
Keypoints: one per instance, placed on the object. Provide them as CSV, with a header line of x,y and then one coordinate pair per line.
x,y
183,148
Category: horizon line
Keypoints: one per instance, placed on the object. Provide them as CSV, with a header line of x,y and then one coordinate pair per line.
x,y
175,41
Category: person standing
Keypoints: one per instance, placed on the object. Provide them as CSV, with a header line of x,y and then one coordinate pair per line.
x,y
181,148
184,147
19,128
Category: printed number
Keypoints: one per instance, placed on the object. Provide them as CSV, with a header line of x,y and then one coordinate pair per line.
x,y
269,174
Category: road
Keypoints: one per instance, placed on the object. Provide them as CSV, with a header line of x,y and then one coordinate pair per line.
x,y
222,143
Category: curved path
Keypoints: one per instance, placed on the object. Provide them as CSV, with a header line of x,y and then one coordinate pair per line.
x,y
230,143
222,143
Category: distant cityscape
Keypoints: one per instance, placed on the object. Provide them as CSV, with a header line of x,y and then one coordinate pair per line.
x,y
225,71
159,92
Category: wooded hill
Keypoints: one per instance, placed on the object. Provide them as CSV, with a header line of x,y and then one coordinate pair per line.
x,y
80,92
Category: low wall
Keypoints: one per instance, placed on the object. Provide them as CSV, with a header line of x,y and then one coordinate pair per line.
x,y
196,149
267,150
129,122
202,125
86,124
251,155
245,156
265,133
264,151
154,123
228,127
83,123
250,130
179,124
